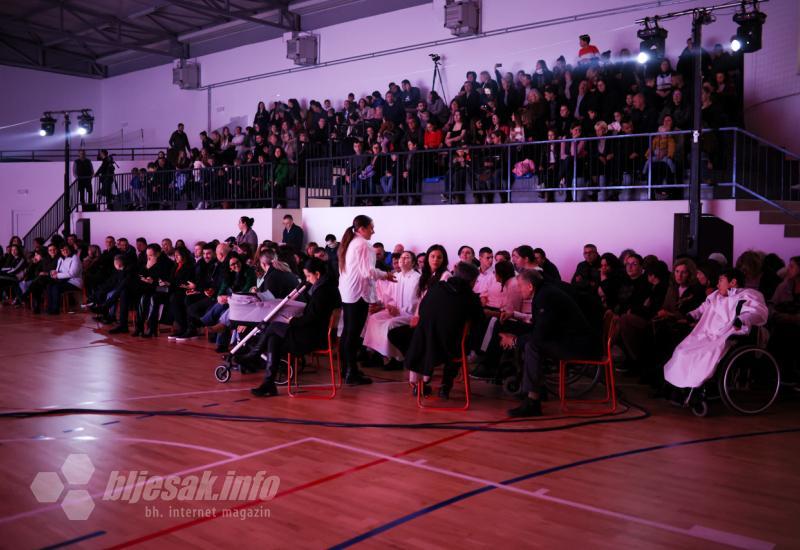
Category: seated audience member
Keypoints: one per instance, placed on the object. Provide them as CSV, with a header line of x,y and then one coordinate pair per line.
x,y
39,285
731,310
13,269
433,270
93,274
612,274
587,273
64,278
558,331
635,329
501,255
398,303
549,269
523,258
684,294
107,296
181,281
278,279
152,290
241,278
486,276
467,254
246,233
785,322
443,312
303,334
633,288
708,275
751,263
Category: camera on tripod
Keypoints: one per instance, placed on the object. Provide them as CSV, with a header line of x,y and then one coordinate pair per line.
x,y
435,57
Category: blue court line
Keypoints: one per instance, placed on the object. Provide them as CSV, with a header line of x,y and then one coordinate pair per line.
x,y
144,416
463,496
209,405
240,400
70,542
110,422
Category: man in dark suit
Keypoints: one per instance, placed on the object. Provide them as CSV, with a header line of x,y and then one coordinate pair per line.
x,y
303,334
292,234
559,331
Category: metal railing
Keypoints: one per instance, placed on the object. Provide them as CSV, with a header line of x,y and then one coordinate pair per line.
x,y
242,186
56,155
622,167
52,220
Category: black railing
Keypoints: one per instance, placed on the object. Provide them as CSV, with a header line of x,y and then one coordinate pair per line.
x,y
54,155
52,220
243,186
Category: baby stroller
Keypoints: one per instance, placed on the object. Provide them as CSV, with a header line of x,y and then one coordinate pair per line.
x,y
248,310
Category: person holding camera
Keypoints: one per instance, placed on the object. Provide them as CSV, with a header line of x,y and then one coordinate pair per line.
x,y
106,176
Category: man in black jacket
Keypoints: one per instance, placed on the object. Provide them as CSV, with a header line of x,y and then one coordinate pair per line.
x,y
82,170
302,334
279,283
444,310
292,234
178,142
559,331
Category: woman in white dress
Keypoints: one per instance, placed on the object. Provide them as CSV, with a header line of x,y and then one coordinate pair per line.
x,y
399,304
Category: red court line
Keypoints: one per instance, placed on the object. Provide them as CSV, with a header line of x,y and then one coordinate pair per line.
x,y
296,489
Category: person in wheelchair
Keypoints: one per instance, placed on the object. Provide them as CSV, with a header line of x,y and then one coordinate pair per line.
x,y
730,311
300,335
559,330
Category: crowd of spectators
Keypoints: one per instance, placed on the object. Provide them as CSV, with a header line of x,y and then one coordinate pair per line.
x,y
189,286
392,135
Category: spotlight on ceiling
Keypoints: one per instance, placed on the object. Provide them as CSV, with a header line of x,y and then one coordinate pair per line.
x,y
653,40
85,123
642,57
736,44
748,35
48,125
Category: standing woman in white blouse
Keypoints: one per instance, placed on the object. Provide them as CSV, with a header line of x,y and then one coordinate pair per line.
x,y
357,276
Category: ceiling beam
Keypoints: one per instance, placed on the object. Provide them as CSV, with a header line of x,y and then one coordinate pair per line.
x,y
245,15
119,45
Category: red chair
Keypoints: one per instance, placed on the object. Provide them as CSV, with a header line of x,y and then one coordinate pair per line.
x,y
464,374
606,405
332,353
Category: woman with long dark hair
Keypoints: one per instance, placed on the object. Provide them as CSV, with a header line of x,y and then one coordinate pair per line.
x,y
357,276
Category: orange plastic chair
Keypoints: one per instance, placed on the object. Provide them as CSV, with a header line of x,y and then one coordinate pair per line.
x,y
332,352
464,374
606,405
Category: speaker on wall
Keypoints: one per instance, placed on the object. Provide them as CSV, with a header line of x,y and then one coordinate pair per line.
x,y
716,235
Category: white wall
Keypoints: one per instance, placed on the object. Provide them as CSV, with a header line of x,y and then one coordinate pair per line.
x,y
772,104
28,189
561,229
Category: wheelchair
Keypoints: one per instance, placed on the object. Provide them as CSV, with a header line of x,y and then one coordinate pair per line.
x,y
747,378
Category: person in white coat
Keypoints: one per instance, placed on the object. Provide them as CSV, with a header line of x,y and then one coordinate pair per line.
x,y
731,310
399,304
357,277
66,277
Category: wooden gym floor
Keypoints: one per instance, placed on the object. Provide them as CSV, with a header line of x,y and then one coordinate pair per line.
x,y
668,481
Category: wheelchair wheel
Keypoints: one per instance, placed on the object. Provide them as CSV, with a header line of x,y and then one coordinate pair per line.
x,y
749,380
222,373
284,373
581,379
700,408
511,385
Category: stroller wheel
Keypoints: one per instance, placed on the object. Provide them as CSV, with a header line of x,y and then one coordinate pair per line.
x,y
222,373
700,408
510,385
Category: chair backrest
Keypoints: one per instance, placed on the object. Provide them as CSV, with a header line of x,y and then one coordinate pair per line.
x,y
610,324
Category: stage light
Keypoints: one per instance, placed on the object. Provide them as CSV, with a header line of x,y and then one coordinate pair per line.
x,y
642,57
653,40
85,123
748,35
48,125
736,44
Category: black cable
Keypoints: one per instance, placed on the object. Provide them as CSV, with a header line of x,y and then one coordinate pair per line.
x,y
477,426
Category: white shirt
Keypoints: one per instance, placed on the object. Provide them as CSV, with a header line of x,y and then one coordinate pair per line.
x,y
70,269
403,294
484,281
357,279
506,298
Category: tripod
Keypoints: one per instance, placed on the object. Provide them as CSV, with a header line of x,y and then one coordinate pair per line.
x,y
438,74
